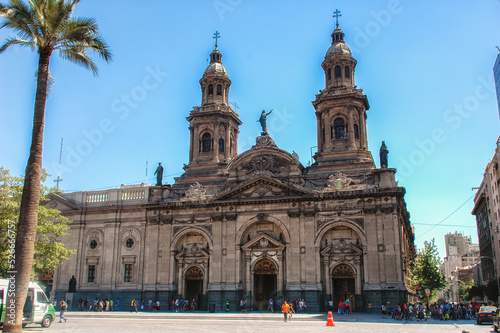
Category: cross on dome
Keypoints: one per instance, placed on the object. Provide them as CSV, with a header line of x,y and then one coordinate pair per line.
x,y
337,14
216,37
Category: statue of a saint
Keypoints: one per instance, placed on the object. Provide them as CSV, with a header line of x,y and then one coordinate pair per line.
x,y
263,121
384,152
72,285
159,175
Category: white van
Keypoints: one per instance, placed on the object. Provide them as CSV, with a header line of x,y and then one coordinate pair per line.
x,y
37,309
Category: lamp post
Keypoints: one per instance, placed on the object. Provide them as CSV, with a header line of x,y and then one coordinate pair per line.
x,y
496,275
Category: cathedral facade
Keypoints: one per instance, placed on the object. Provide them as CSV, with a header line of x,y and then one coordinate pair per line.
x,y
255,225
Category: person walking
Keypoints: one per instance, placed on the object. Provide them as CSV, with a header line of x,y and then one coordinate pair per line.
x,y
133,306
63,306
291,311
227,305
285,308
384,311
270,305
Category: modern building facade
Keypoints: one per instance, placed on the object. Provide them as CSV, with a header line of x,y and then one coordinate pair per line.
x,y
255,225
487,212
496,77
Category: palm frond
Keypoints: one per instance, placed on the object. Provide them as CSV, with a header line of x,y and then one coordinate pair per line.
x,y
16,41
79,55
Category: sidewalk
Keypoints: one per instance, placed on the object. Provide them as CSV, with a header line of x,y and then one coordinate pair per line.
x,y
362,317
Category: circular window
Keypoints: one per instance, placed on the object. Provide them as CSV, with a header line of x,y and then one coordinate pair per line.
x,y
129,243
93,244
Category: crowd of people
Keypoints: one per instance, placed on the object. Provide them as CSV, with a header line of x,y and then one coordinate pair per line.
x,y
444,311
101,305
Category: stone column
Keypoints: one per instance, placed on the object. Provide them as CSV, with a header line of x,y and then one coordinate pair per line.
x,y
350,126
281,272
215,143
191,143
362,128
326,278
319,131
248,277
227,148
180,280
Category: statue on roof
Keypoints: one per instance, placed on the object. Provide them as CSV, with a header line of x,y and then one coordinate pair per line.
x,y
384,152
159,175
263,121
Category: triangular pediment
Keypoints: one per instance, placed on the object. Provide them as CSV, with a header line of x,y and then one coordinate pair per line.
x,y
263,242
60,203
263,187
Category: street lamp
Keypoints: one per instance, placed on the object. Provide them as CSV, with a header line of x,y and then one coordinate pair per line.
x,y
496,274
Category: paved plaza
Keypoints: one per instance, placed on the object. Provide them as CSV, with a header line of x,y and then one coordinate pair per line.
x,y
246,323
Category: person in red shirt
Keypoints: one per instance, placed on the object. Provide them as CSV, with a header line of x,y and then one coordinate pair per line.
x,y
341,308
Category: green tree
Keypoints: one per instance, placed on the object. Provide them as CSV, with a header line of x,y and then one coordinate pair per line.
x,y
426,273
464,290
51,225
44,26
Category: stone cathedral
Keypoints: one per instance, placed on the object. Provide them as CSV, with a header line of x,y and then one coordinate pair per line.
x,y
254,225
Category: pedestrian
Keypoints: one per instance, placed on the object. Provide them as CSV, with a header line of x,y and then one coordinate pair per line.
x,y
341,308
270,305
285,308
150,305
133,306
330,305
369,307
227,305
384,311
193,305
290,312
63,306
117,304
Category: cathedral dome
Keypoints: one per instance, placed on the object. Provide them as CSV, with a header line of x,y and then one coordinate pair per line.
x,y
338,46
215,68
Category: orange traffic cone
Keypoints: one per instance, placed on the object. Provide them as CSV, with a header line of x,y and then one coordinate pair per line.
x,y
329,321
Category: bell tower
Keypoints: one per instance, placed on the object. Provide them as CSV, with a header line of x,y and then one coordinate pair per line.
x,y
341,111
213,127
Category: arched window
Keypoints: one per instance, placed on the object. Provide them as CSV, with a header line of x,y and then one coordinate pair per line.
x,y
338,72
339,126
221,145
210,90
206,143
329,74
347,72
356,132
219,90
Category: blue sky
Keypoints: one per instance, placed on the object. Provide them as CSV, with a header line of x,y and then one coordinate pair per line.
x,y
425,67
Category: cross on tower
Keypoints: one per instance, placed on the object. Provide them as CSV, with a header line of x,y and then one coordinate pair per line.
x,y
337,14
216,36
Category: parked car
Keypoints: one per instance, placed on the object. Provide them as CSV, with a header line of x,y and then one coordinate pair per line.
x,y
496,320
486,314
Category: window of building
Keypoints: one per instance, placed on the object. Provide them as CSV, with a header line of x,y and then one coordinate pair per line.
x,y
129,243
93,244
221,145
356,132
347,72
206,143
338,72
91,274
127,276
329,74
339,126
210,89
219,90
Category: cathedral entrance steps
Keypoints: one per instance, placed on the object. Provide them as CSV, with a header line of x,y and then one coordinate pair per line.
x,y
202,315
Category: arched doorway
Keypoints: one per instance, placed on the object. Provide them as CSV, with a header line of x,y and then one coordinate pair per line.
x,y
264,283
344,285
193,284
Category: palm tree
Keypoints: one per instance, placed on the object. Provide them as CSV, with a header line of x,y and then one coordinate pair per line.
x,y
44,26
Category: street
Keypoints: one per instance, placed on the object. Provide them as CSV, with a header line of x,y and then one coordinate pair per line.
x,y
246,323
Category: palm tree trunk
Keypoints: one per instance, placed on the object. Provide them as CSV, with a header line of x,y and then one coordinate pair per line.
x,y
28,215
